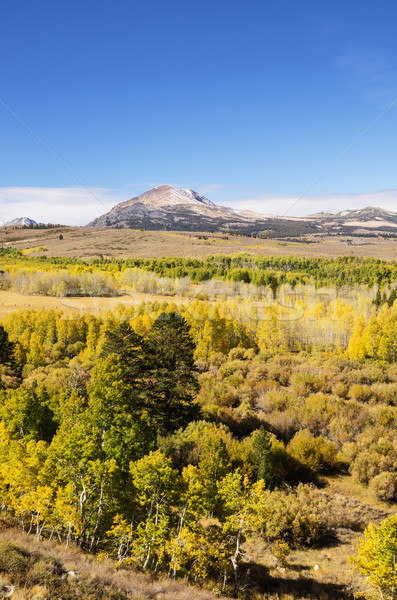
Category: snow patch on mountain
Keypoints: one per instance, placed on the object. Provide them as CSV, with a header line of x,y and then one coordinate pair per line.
x,y
17,221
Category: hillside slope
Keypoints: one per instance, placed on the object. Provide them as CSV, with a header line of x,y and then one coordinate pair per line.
x,y
18,222
369,217
46,570
166,208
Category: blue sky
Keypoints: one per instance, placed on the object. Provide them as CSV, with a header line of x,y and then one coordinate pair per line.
x,y
249,103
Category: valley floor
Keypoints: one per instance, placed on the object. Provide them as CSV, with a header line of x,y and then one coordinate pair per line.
x,y
89,243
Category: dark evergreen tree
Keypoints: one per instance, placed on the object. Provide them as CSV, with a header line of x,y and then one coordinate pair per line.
x,y
262,456
127,344
6,348
170,381
124,432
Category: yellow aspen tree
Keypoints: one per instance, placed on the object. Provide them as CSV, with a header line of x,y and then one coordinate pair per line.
x,y
357,348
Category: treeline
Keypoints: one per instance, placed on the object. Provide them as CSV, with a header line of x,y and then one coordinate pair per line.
x,y
65,283
271,271
45,226
353,328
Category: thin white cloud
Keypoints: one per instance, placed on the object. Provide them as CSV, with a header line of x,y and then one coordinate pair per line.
x,y
274,204
68,206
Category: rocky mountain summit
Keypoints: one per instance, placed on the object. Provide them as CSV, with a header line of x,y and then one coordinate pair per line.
x,y
167,208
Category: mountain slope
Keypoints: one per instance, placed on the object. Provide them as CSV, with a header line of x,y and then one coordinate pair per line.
x,y
18,221
369,217
165,207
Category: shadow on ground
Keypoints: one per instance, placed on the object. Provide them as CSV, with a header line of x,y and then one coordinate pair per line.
x,y
256,578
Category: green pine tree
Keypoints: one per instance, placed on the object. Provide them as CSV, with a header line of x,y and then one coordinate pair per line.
x,y
170,379
262,456
6,348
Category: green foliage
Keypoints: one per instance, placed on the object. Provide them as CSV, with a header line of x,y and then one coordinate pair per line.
x,y
384,486
316,453
262,456
6,347
122,340
297,517
28,414
13,561
114,413
213,467
170,382
104,277
160,435
376,560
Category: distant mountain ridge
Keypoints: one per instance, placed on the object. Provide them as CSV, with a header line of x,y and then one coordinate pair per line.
x,y
370,217
18,221
167,208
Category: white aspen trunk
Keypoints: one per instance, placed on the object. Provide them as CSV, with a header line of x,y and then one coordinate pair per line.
x,y
98,518
68,537
235,561
179,531
151,541
31,525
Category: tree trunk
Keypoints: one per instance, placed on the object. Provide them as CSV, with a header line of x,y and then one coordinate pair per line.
x,y
179,531
98,518
236,563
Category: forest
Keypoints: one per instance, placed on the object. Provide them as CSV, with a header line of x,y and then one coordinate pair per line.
x,y
171,437
109,276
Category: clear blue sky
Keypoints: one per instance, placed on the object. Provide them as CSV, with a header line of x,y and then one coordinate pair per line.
x,y
240,100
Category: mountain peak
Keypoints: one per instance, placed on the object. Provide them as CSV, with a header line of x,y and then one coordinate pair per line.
x,y
161,188
17,221
166,195
167,208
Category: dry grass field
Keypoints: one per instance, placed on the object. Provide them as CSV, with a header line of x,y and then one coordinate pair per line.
x,y
90,243
11,301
